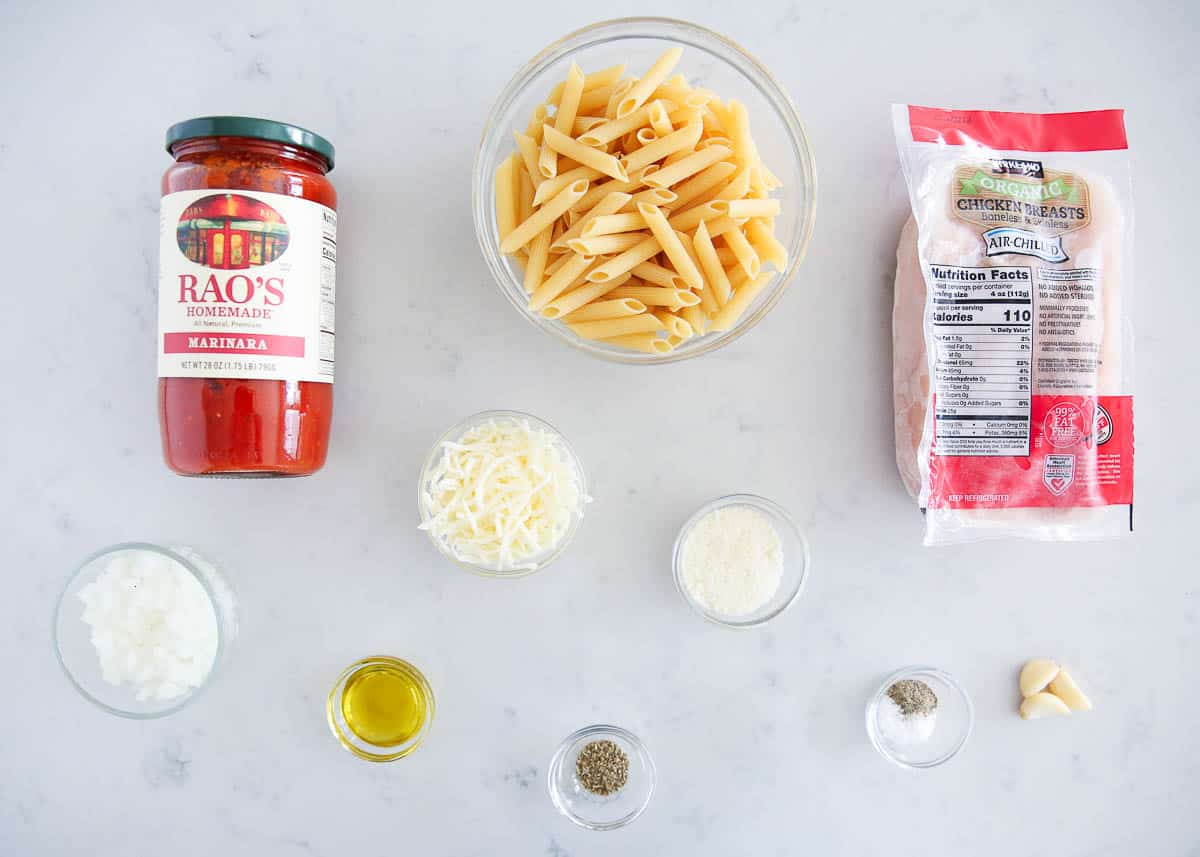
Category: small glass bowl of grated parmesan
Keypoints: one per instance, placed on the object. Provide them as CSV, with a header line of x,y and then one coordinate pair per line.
x,y
140,629
502,494
740,561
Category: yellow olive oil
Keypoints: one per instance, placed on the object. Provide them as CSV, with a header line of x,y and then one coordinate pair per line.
x,y
384,704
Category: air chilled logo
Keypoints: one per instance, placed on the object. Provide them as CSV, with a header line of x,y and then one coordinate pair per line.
x,y
1004,240
229,231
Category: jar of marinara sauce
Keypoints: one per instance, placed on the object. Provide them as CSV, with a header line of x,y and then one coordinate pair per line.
x,y
247,254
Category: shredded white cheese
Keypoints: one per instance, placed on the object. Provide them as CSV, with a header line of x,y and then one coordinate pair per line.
x,y
732,561
502,495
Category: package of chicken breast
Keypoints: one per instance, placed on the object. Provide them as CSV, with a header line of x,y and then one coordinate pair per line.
x,y
1013,343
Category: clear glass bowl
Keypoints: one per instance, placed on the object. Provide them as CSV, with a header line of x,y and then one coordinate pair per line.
x,y
795,561
955,720
456,431
601,812
359,746
77,655
710,60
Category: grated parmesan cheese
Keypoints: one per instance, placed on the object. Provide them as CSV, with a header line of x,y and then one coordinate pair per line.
x,y
502,495
732,561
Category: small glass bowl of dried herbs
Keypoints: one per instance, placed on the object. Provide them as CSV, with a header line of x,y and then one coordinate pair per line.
x,y
601,777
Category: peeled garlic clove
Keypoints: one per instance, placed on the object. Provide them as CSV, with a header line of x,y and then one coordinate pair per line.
x,y
1036,676
1065,688
1042,705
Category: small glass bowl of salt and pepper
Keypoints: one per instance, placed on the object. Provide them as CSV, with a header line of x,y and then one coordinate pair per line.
x,y
920,717
601,777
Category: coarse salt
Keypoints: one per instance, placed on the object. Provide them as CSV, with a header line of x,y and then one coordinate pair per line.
x,y
152,624
732,562
900,729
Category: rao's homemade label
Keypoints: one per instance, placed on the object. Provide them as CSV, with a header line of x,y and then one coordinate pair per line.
x,y
246,286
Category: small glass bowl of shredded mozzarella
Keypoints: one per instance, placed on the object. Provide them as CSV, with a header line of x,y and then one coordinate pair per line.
x,y
140,628
502,494
740,561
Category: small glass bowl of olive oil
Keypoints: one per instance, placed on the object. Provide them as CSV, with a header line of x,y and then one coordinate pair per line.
x,y
380,708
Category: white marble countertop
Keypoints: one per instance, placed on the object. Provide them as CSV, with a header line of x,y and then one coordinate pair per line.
x,y
758,737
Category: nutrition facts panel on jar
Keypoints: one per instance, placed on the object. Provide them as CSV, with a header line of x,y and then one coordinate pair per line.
x,y
981,323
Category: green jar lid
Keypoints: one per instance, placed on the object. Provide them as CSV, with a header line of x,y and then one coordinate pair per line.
x,y
246,126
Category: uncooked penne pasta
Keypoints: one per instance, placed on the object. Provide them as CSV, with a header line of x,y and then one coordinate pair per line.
x,y
604,245
625,262
741,248
681,94
702,183
739,303
671,245
524,195
659,275
600,310
561,281
657,296
582,296
544,217
610,224
568,105
622,86
646,342
685,138
722,225
612,129
768,247
534,128
644,137
535,267
584,123
673,324
657,116
610,204
654,77
687,167
654,196
710,264
506,201
595,80
695,317
696,215
593,101
752,207
551,187
585,155
529,150
608,328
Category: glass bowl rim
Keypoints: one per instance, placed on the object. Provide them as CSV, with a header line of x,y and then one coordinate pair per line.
x,y
457,430
910,671
559,759
754,501
650,27
191,568
335,696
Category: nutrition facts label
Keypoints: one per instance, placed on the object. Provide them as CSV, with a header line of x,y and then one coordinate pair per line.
x,y
982,340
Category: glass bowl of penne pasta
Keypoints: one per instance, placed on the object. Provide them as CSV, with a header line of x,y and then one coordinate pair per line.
x,y
644,190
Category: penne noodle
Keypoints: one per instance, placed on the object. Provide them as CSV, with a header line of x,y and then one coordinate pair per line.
x,y
747,258
610,204
568,107
535,267
585,155
610,224
560,281
725,257
506,202
595,80
646,342
682,94
722,225
684,138
673,324
708,301
752,207
654,77
544,217
653,196
710,264
551,187
547,158
739,132
615,128
582,296
584,123
687,116
593,101
659,275
714,140
524,195
644,136
657,296
658,119
555,264
601,310
625,262
610,327
605,245
703,182
534,128
737,188
721,112
773,182
529,150
622,86
669,240
696,318
739,303
712,124
768,247
696,215
603,189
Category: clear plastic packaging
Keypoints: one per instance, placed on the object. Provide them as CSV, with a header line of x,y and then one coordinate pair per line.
x,y
1013,345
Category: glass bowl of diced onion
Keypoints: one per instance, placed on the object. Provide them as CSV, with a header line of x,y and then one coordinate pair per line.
x,y
710,62
458,517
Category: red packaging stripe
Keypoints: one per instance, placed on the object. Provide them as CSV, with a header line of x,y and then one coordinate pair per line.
x,y
233,343
1091,131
